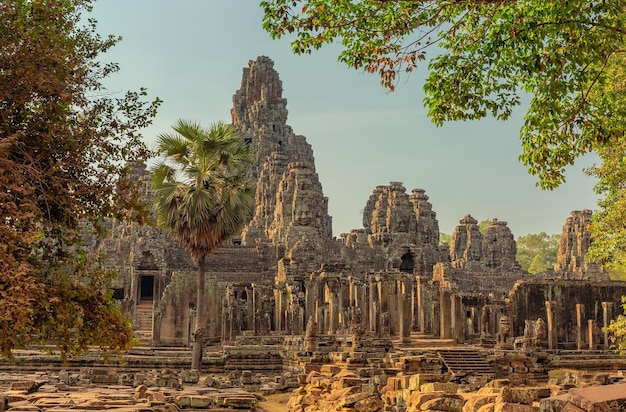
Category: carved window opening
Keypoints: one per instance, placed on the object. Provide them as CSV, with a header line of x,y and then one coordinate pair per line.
x,y
408,263
147,288
236,242
248,141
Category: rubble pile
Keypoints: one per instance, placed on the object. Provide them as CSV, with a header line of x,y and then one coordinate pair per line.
x,y
346,391
163,391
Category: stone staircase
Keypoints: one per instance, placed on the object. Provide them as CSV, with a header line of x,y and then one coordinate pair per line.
x,y
466,361
142,322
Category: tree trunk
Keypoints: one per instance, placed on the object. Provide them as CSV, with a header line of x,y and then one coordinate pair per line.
x,y
198,342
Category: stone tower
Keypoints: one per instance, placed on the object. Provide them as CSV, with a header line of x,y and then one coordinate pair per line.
x,y
499,247
290,206
466,244
404,226
575,240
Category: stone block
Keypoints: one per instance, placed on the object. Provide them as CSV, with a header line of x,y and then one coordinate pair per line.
x,y
525,396
311,375
394,383
330,370
599,398
189,376
346,381
513,407
369,404
341,393
352,399
418,398
193,401
414,382
246,377
498,383
440,387
140,392
475,402
27,386
238,402
15,396
445,403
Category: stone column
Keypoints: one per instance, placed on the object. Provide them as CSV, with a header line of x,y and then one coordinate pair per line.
x,y
607,316
580,326
372,311
420,305
445,314
254,313
591,329
400,296
278,315
457,324
333,308
551,324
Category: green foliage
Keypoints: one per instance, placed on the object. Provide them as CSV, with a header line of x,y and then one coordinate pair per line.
x,y
487,54
202,193
536,252
483,225
616,271
445,238
608,228
617,330
63,147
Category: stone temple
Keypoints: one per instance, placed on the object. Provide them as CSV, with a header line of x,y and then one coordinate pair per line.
x,y
286,282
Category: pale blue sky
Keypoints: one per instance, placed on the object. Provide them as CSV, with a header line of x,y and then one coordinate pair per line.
x,y
190,53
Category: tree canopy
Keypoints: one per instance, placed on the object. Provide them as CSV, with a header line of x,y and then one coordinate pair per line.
x,y
203,195
482,57
64,144
537,252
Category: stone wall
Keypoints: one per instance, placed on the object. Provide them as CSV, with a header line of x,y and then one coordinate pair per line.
x,y
575,305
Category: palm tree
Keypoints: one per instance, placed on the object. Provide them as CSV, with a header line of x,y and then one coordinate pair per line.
x,y
202,195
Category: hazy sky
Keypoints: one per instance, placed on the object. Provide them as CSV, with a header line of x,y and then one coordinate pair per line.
x,y
190,53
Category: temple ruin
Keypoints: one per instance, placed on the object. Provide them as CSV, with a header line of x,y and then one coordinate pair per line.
x,y
286,280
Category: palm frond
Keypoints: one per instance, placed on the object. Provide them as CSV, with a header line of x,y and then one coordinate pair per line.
x,y
202,193
172,146
161,173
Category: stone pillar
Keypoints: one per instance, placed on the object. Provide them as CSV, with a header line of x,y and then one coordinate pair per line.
x,y
400,296
278,313
457,323
607,316
420,305
254,311
445,314
551,324
591,333
580,325
372,308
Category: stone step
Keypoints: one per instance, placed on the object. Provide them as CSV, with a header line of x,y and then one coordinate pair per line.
x,y
142,323
466,360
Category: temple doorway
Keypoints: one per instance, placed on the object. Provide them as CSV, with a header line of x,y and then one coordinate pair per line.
x,y
146,292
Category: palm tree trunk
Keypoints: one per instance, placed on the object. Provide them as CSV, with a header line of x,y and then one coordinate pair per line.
x,y
198,342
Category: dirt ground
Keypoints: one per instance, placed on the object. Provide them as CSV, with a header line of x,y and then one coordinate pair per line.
x,y
274,403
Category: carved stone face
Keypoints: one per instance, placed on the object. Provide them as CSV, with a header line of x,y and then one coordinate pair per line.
x,y
303,216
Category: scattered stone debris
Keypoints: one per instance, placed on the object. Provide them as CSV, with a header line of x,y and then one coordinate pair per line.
x,y
345,391
162,391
